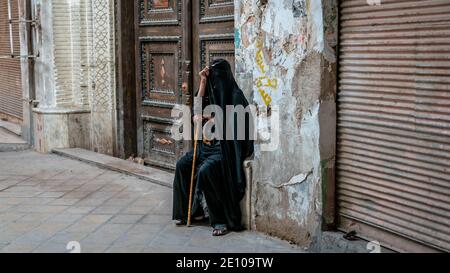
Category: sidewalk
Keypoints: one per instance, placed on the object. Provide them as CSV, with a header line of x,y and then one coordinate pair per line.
x,y
47,201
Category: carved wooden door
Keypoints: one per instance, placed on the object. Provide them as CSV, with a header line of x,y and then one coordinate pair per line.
x,y
174,40
213,33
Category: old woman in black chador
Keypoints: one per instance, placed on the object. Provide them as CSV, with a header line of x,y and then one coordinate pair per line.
x,y
219,175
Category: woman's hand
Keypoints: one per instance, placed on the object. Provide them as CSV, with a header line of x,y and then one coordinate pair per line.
x,y
204,74
203,77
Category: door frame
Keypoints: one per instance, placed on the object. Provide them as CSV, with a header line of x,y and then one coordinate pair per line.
x,y
126,135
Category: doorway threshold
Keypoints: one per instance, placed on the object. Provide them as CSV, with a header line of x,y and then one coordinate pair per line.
x,y
150,174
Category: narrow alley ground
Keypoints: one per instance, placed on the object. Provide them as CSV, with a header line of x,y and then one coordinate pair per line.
x,y
46,201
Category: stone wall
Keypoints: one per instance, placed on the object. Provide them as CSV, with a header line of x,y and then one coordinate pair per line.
x,y
74,75
285,62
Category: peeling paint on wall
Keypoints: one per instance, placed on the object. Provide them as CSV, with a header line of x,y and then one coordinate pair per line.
x,y
281,56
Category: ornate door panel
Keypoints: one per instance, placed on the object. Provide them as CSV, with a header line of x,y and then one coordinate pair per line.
x,y
213,33
169,34
162,53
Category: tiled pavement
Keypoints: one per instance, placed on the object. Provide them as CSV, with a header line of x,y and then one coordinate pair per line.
x,y
47,201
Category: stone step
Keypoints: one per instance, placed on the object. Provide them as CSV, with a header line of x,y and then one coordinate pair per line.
x,y
150,174
10,142
11,127
13,147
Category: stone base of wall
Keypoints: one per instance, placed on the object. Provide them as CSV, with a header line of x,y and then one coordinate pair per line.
x,y
61,128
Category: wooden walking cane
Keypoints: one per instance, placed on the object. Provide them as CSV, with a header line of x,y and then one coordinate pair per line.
x,y
192,174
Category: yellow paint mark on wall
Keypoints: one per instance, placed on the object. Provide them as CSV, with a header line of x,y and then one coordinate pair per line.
x,y
263,81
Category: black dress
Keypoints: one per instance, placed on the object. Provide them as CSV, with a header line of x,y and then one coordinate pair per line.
x,y
207,182
219,171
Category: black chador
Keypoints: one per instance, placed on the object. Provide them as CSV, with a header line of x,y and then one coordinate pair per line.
x,y
219,175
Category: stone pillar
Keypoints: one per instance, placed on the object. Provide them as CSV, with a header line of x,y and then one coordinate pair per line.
x,y
285,60
74,75
27,64
103,97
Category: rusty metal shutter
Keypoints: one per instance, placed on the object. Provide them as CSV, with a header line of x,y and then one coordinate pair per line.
x,y
393,155
10,73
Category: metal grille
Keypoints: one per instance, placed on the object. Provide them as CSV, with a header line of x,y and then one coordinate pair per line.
x,y
10,73
393,158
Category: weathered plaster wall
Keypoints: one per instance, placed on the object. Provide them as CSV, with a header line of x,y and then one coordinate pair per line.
x,y
285,59
74,75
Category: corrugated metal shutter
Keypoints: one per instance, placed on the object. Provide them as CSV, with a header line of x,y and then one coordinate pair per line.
x,y
393,158
10,73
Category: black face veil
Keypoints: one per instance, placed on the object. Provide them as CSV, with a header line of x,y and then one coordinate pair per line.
x,y
222,90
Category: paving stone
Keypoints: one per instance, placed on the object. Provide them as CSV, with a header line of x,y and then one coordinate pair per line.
x,y
89,223
94,248
126,218
66,236
42,232
90,202
96,218
64,201
80,209
105,195
175,235
12,231
3,244
11,200
29,183
200,238
51,247
24,194
20,247
194,249
39,208
119,202
156,218
38,200
107,210
64,188
112,188
129,240
136,210
55,194
136,248
141,228
36,218
165,248
162,209
20,188
106,234
6,217
76,194
65,218
239,248
80,227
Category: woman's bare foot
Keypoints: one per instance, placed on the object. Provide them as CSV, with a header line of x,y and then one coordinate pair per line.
x,y
219,230
180,222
